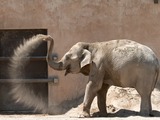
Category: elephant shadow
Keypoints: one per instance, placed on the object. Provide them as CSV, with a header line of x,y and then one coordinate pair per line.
x,y
128,113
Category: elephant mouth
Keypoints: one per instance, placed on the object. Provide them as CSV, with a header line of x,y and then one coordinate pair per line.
x,y
67,70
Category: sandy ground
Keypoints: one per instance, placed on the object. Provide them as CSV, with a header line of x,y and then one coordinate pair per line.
x,y
121,104
44,117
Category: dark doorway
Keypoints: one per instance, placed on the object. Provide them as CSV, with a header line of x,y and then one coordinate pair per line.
x,y
36,69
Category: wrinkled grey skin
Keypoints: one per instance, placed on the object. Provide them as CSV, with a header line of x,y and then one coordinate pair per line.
x,y
123,63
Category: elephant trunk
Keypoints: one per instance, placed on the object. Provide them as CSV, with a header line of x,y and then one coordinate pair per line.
x,y
53,64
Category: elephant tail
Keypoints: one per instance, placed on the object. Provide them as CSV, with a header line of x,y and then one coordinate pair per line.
x,y
26,93
157,76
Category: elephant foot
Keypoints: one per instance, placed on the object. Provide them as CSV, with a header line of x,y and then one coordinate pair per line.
x,y
84,115
151,115
100,114
146,113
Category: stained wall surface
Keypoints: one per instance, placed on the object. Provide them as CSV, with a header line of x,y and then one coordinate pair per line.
x,y
71,21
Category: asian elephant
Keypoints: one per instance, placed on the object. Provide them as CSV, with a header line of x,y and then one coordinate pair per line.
x,y
123,63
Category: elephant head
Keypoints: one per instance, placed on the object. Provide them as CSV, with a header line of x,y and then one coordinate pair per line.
x,y
76,60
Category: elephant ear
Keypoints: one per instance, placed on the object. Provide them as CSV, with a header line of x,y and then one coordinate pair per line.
x,y
86,58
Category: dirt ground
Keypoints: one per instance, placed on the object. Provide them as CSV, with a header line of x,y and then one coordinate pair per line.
x,y
46,117
122,103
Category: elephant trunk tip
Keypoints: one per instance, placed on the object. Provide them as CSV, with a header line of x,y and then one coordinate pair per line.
x,y
56,65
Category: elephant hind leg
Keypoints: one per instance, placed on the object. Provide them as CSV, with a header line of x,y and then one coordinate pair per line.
x,y
145,85
145,106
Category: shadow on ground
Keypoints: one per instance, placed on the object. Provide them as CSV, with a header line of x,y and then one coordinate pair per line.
x,y
65,106
128,113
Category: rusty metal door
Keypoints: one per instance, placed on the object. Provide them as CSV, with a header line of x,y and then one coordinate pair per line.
x,y
37,68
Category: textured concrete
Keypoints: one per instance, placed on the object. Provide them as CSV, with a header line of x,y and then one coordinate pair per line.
x,y
70,21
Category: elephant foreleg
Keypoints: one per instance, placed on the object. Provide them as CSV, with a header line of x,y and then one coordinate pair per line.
x,y
101,99
93,86
90,93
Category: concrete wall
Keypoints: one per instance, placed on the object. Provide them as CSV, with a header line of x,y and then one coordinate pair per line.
x,y
70,21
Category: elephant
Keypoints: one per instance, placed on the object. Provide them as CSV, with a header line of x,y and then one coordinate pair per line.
x,y
122,62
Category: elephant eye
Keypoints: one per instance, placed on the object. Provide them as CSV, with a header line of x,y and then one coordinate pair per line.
x,y
67,57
